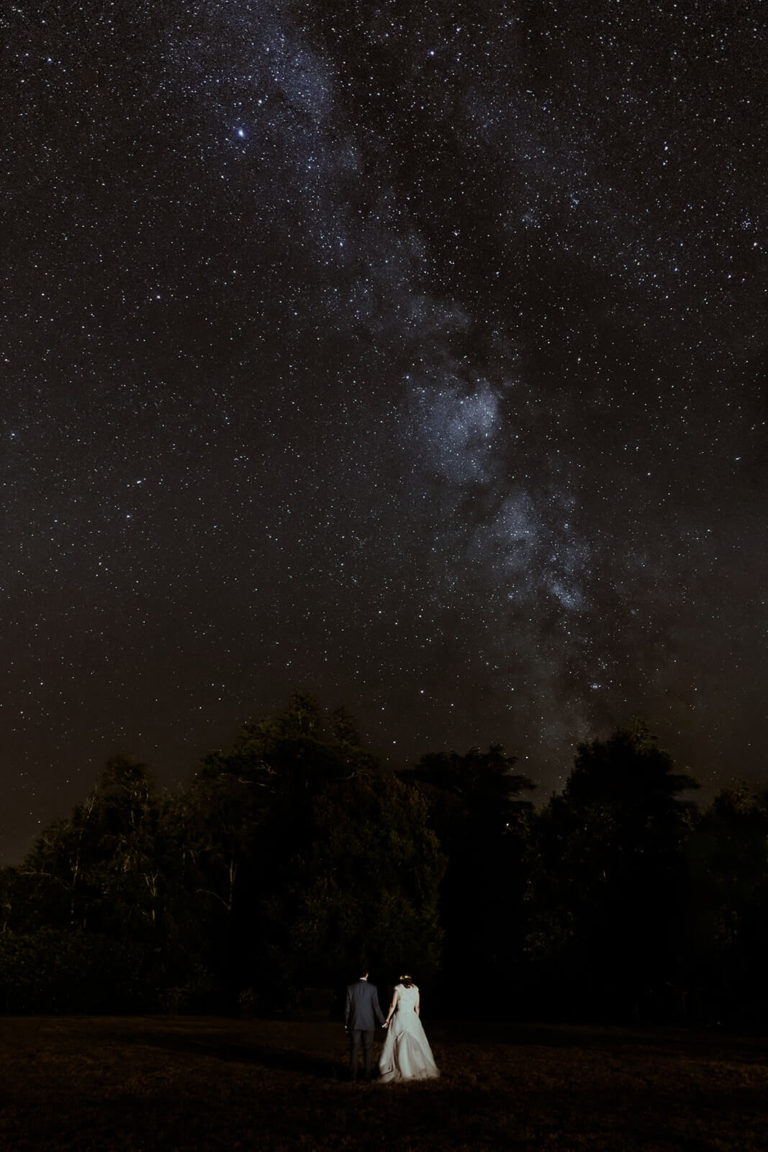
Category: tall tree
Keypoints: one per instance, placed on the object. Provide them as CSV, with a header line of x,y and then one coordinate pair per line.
x,y
99,869
91,899
609,878
728,858
477,811
320,857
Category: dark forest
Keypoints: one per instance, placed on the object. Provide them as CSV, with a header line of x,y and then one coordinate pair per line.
x,y
293,858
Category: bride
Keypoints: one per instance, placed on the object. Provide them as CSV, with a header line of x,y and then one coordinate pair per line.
x,y
406,1054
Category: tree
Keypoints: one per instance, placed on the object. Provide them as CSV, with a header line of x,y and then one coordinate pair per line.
x,y
314,856
476,810
360,885
94,886
728,859
99,869
609,878
216,826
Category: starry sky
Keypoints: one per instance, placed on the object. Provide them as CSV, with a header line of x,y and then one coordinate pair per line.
x,y
410,354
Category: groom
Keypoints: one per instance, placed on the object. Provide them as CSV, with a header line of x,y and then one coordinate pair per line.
x,y
360,1015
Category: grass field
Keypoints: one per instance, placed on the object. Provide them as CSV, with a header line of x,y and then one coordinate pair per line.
x,y
187,1084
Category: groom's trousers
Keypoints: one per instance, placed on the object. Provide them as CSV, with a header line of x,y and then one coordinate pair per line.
x,y
361,1038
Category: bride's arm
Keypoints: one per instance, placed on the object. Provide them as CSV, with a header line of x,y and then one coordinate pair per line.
x,y
417,1005
393,1005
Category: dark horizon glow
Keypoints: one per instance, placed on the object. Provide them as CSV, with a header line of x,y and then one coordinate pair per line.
x,y
411,356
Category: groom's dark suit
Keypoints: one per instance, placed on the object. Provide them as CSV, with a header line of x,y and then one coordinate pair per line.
x,y
360,1016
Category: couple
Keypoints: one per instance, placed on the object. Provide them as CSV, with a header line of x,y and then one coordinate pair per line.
x,y
406,1054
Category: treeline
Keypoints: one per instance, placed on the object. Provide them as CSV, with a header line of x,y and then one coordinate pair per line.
x,y
293,857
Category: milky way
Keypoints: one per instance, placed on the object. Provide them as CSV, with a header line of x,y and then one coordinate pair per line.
x,y
413,355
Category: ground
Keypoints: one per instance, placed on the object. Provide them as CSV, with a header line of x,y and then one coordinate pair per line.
x,y
204,1085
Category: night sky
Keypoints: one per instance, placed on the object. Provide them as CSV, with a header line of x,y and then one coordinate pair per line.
x,y
412,354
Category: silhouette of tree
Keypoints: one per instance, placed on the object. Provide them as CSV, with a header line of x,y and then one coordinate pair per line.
x,y
475,808
91,897
608,878
728,859
99,869
292,856
317,856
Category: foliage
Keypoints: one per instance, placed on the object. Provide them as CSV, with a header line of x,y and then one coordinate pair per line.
x,y
293,858
332,857
71,970
475,809
728,860
100,869
608,879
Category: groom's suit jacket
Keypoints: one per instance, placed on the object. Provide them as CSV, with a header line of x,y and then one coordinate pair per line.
x,y
363,1008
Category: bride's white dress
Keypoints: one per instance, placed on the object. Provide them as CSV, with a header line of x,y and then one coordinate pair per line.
x,y
406,1054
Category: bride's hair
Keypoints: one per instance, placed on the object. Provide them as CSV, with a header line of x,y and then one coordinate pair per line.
x,y
406,981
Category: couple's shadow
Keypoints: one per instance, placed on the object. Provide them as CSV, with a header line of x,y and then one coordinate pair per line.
x,y
324,1067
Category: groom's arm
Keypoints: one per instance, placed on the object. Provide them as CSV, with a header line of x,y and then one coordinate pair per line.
x,y
377,1006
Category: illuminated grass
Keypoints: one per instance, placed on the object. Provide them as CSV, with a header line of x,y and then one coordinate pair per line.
x,y
150,1084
